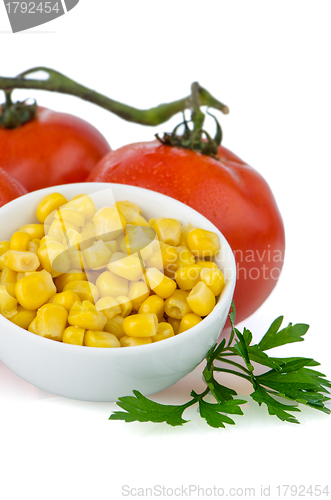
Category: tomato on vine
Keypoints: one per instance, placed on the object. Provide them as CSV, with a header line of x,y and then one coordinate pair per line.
x,y
40,147
10,188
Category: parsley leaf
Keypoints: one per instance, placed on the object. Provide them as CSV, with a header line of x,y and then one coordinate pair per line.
x,y
289,378
275,337
260,395
141,409
213,413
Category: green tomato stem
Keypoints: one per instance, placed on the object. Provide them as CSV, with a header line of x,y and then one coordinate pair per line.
x,y
57,82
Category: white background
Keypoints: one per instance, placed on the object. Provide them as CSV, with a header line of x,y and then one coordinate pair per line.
x,y
269,61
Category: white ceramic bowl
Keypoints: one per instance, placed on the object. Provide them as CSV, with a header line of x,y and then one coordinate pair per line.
x,y
94,374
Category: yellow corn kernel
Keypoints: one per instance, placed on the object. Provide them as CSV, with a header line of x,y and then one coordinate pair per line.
x,y
33,327
47,238
73,335
188,322
33,247
214,278
160,284
168,231
35,231
126,305
72,239
152,221
138,239
140,325
70,215
164,331
54,258
19,241
48,204
185,230
51,321
28,273
10,287
65,299
109,223
203,243
84,204
177,306
71,275
109,306
151,249
8,304
153,305
137,220
155,259
76,260
112,246
127,207
20,275
134,341
88,231
174,323
111,285
138,292
21,261
34,290
187,277
126,266
4,247
23,317
169,258
58,229
118,241
114,326
8,276
95,338
85,315
206,264
84,289
96,256
201,299
184,257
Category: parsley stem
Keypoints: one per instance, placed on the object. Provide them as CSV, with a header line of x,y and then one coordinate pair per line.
x,y
232,353
225,370
204,393
234,364
197,397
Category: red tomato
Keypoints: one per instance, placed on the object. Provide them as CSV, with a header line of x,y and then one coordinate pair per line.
x,y
53,148
10,188
228,192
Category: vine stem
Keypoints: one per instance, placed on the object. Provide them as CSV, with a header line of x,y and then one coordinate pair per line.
x,y
57,82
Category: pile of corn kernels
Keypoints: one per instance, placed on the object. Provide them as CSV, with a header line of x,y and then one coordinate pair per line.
x,y
107,277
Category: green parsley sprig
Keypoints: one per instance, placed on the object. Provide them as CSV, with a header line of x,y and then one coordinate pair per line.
x,y
287,378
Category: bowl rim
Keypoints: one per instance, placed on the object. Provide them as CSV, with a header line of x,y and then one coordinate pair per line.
x,y
155,346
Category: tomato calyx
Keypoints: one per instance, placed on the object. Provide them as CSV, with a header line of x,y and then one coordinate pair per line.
x,y
15,114
195,138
